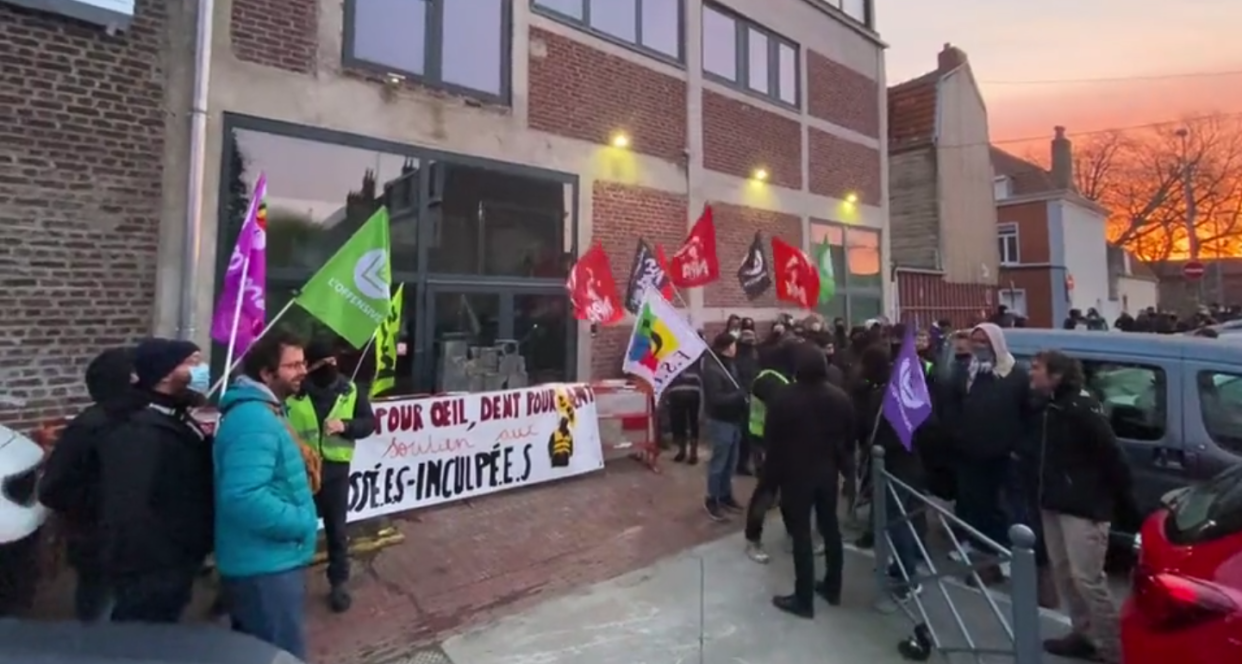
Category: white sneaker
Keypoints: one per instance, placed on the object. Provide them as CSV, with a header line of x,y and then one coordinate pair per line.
x,y
1006,569
957,556
754,551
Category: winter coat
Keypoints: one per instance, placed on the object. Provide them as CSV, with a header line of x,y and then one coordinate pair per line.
x,y
1082,468
988,414
723,397
265,512
810,427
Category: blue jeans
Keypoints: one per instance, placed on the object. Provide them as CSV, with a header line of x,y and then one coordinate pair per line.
x,y
271,608
724,437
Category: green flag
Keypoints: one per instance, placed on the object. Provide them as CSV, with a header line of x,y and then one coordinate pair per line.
x,y
386,347
350,293
827,281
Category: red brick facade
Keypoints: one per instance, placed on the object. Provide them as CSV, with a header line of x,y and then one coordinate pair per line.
x,y
925,297
739,137
580,92
735,230
839,168
842,96
623,214
81,147
277,33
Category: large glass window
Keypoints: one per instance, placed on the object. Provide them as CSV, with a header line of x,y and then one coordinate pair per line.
x,y
749,56
653,26
461,46
856,264
859,10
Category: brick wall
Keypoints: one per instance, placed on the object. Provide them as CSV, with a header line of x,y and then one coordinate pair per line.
x,y
924,297
842,96
735,230
839,167
739,137
580,92
81,143
622,214
277,33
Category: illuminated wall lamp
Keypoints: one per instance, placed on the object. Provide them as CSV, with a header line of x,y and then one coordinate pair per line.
x,y
620,140
851,198
760,175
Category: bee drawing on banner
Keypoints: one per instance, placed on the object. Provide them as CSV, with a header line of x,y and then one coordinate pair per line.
x,y
561,441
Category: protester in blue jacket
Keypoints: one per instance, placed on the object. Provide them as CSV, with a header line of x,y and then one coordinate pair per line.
x,y
265,510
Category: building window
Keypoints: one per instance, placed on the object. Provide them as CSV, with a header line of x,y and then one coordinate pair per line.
x,y
1001,187
482,247
652,26
749,56
855,257
1007,244
1014,299
859,10
460,46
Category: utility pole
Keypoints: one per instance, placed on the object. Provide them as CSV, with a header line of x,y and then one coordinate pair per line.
x,y
1188,190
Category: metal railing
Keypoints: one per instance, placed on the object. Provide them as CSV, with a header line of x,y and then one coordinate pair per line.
x,y
910,508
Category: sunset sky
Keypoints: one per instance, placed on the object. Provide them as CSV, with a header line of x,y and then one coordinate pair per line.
x,y
1152,44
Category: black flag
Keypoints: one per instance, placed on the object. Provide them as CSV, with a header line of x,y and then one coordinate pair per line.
x,y
754,275
644,273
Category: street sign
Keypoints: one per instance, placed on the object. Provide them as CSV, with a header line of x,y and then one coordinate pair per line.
x,y
1193,271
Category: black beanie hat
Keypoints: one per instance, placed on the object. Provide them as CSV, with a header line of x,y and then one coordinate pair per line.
x,y
154,359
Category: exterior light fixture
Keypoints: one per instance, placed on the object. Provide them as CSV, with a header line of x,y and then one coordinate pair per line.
x,y
851,198
620,140
760,174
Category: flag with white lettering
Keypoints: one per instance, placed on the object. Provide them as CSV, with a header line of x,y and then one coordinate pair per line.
x,y
753,275
645,272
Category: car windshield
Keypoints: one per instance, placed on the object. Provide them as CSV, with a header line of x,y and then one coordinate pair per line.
x,y
1207,511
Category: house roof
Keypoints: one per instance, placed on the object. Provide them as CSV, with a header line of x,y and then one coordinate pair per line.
x,y
1025,177
912,110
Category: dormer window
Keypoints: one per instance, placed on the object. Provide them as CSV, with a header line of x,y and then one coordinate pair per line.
x,y
1002,186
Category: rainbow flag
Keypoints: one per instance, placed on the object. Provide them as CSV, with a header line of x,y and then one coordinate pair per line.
x,y
663,343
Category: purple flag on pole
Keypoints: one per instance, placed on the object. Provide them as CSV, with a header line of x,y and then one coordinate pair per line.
x,y
245,281
906,401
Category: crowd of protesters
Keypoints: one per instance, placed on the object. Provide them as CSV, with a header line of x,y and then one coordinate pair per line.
x,y
145,492
1005,444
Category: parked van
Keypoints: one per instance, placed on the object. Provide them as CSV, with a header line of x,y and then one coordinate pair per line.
x,y
1175,402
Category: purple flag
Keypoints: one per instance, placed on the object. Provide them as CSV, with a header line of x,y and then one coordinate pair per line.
x,y
906,401
245,279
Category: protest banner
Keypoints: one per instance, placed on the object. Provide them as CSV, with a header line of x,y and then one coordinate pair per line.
x,y
437,450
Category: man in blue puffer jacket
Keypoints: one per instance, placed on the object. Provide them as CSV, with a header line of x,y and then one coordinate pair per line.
x,y
265,510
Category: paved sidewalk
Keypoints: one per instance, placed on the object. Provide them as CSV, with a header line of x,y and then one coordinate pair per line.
x,y
657,616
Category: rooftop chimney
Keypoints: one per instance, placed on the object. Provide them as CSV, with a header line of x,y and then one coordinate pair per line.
x,y
1062,160
951,57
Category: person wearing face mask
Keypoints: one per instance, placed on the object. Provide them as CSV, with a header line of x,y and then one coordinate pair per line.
x,y
734,325
992,415
331,414
155,497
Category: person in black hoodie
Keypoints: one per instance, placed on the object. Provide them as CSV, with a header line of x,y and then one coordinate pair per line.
x,y
1084,480
683,398
70,482
989,415
156,496
776,373
810,426
724,406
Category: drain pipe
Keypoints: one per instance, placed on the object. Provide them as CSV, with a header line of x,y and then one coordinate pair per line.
x,y
191,259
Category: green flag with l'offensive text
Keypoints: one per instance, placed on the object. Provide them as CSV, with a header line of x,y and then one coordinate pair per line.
x,y
350,293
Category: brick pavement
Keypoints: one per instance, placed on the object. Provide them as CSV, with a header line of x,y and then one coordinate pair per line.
x,y
474,561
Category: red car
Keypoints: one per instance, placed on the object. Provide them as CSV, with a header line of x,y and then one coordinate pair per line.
x,y
1186,603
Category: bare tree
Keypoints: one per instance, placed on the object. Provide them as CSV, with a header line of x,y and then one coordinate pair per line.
x,y
1149,180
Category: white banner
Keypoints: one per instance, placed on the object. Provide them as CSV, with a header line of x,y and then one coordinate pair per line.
x,y
436,450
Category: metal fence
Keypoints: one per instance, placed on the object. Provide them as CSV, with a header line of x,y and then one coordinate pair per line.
x,y
896,505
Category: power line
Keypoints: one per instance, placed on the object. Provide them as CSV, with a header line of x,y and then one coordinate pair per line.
x,y
1119,79
1097,132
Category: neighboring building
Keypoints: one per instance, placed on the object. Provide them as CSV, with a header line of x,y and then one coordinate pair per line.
x,y
942,214
488,133
1132,283
1052,242
1221,283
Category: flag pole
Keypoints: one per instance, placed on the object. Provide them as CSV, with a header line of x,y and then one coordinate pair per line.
x,y
237,309
234,362
682,300
365,350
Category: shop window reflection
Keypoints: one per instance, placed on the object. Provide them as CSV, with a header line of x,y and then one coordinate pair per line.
x,y
497,224
541,329
864,257
464,324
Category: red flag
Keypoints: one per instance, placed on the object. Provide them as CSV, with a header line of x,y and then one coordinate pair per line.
x,y
696,263
667,289
797,280
592,289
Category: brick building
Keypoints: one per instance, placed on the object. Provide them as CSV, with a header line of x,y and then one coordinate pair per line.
x,y
491,136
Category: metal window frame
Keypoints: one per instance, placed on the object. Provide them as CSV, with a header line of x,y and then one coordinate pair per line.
x,y
1004,231
868,20
433,60
742,26
584,24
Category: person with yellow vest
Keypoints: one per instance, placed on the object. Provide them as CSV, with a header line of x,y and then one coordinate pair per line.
x,y
776,371
331,414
